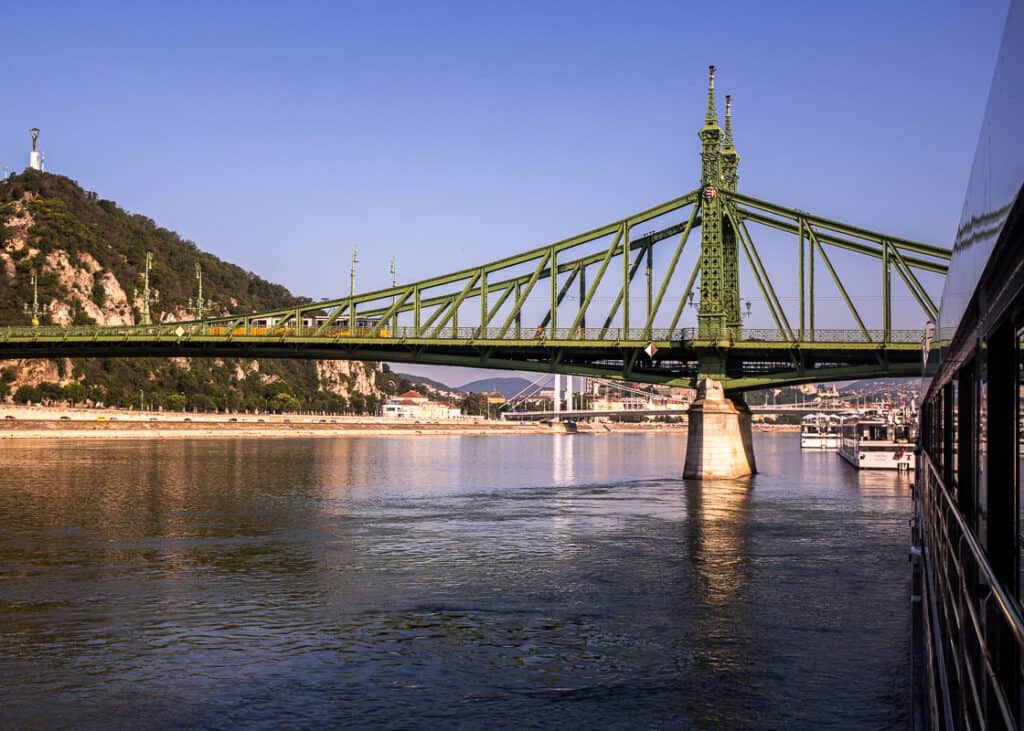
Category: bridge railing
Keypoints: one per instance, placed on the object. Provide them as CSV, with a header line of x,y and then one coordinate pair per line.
x,y
593,335
975,628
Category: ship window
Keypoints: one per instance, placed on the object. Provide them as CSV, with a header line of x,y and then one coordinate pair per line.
x,y
981,439
1020,461
953,395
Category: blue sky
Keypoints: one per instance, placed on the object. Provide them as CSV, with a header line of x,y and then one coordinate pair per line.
x,y
449,134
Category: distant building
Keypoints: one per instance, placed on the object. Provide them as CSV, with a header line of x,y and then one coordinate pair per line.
x,y
397,408
439,410
494,398
414,405
414,396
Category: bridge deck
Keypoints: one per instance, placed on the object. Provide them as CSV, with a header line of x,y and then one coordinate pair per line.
x,y
760,358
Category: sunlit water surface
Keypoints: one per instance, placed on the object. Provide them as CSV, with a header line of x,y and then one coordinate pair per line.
x,y
438,582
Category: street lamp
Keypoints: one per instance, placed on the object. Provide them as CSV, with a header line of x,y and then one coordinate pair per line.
x,y
394,283
352,293
36,309
199,305
149,296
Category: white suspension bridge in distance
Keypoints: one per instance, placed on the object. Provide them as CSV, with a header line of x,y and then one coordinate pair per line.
x,y
555,398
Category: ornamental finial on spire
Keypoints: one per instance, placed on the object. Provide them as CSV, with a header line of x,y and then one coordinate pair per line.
x,y
727,144
711,118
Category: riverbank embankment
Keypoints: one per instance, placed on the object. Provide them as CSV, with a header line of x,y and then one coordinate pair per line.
x,y
38,422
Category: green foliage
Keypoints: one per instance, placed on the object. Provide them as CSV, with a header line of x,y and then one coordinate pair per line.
x,y
474,404
284,403
388,382
99,294
70,218
27,395
81,317
76,393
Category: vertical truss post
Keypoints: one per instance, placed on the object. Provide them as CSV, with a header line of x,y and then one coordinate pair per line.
x,y
625,280
650,275
519,313
416,296
483,301
554,293
800,233
886,294
810,282
583,295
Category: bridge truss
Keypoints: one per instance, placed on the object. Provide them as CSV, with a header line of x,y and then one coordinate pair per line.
x,y
606,303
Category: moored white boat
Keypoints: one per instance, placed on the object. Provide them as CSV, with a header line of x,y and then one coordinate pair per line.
x,y
877,441
819,431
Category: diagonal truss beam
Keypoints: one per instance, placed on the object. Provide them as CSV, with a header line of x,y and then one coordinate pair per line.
x,y
508,291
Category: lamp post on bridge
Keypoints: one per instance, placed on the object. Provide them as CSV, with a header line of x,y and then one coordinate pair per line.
x,y
149,296
198,305
36,309
746,311
352,293
394,283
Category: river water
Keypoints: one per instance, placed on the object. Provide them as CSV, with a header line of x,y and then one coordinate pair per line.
x,y
440,582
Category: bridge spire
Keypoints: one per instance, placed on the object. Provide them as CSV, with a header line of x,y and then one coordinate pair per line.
x,y
730,158
711,117
730,248
711,315
728,122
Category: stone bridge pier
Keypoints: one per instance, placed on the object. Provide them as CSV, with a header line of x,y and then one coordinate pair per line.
x,y
719,443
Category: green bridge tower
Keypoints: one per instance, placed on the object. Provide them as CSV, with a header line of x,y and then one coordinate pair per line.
x,y
718,316
719,442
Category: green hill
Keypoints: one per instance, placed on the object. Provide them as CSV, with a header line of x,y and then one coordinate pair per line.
x,y
90,257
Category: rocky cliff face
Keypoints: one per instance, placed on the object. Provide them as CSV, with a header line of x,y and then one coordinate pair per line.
x,y
89,257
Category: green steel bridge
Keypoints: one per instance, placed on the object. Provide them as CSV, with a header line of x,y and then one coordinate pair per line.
x,y
595,304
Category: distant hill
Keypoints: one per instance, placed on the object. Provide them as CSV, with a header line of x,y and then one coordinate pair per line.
x,y
876,384
429,382
507,387
89,255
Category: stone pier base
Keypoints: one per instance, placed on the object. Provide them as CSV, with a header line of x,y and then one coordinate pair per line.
x,y
719,444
